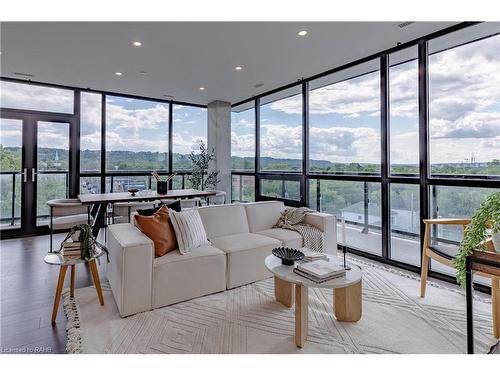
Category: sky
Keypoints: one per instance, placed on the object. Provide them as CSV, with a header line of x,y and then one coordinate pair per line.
x,y
464,108
464,88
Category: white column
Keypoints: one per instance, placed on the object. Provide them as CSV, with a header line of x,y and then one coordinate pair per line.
x,y
219,138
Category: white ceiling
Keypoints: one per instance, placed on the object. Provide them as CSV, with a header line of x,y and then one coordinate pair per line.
x,y
178,58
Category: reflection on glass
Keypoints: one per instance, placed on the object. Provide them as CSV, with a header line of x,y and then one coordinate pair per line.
x,y
358,203
243,188
35,98
136,134
280,189
464,110
190,127
90,132
90,185
344,118
52,165
243,140
281,134
403,111
10,166
405,223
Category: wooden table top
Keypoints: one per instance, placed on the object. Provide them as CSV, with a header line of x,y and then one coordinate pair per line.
x,y
143,195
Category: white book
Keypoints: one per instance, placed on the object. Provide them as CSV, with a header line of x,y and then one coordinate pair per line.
x,y
321,268
312,255
317,279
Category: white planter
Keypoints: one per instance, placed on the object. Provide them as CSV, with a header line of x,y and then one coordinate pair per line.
x,y
496,241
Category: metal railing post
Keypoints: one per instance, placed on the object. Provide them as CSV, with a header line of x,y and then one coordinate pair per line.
x,y
13,221
365,207
241,188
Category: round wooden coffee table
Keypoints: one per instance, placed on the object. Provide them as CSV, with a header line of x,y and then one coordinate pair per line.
x,y
347,296
57,259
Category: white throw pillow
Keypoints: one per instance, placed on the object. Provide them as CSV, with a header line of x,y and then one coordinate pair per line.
x,y
188,229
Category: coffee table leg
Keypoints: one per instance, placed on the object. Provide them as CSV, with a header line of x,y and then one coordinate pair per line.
x,y
72,282
495,305
283,291
301,314
347,303
97,282
57,298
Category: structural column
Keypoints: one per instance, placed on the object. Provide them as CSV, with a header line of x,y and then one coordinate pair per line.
x,y
219,139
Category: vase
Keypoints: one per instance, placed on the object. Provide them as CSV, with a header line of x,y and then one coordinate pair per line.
x,y
76,236
496,241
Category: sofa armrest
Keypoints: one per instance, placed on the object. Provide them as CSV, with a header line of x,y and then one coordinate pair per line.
x,y
326,223
130,268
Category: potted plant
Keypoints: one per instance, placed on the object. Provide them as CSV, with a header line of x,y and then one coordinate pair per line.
x,y
200,178
484,221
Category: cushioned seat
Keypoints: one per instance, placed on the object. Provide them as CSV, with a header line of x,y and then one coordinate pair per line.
x,y
289,238
446,251
246,253
178,277
66,222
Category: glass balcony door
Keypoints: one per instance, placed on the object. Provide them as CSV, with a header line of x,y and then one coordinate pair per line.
x,y
36,166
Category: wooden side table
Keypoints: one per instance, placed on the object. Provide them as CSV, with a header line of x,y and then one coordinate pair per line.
x,y
57,259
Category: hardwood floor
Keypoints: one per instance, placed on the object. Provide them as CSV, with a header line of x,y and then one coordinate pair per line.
x,y
27,288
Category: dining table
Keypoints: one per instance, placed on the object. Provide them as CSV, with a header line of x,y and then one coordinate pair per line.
x,y
99,202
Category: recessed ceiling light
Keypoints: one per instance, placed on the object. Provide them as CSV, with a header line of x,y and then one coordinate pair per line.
x,y
202,88
137,43
238,68
118,73
142,72
302,33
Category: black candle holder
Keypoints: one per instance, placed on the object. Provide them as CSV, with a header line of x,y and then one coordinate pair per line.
x,y
162,187
344,251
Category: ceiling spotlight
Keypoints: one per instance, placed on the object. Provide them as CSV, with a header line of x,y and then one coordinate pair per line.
x,y
118,73
238,68
202,88
137,43
302,33
142,72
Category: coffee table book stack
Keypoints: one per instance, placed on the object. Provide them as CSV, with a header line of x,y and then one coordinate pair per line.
x,y
319,271
71,249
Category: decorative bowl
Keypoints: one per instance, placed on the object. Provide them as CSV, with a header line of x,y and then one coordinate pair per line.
x,y
287,255
132,191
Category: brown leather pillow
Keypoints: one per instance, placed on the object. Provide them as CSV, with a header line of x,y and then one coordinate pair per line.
x,y
159,228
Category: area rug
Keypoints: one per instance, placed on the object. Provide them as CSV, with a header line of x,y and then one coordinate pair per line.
x,y
248,320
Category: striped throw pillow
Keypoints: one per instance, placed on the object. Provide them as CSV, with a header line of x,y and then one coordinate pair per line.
x,y
188,229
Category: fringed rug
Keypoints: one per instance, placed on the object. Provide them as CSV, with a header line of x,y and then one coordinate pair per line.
x,y
248,320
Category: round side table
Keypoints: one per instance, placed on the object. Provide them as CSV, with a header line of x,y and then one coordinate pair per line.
x,y
287,285
57,259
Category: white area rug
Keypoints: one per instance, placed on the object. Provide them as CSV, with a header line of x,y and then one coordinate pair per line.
x,y
248,320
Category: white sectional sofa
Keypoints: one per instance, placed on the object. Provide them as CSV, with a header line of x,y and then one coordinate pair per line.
x,y
241,236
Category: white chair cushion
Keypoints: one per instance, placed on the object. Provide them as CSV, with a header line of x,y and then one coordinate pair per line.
x,y
289,238
263,215
223,220
188,229
66,222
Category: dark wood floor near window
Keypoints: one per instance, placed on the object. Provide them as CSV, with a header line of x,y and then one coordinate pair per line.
x,y
27,295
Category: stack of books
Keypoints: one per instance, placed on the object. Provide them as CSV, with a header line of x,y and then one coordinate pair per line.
x,y
310,255
319,271
71,249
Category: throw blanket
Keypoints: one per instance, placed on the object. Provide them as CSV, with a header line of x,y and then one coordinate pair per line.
x,y
292,218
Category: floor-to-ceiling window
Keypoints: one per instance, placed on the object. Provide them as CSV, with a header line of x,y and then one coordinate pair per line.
x,y
408,134
344,139
83,141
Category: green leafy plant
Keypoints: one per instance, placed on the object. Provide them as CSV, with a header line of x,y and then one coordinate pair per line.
x,y
486,216
89,245
200,178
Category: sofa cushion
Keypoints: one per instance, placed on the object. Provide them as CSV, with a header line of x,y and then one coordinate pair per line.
x,y
289,238
159,228
246,253
188,229
263,215
178,277
223,220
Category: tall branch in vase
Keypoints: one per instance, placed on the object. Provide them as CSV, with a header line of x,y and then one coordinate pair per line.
x,y
200,178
